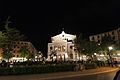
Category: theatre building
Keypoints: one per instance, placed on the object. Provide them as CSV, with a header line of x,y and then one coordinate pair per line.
x,y
63,46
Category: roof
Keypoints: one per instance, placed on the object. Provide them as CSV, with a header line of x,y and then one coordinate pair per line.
x,y
63,37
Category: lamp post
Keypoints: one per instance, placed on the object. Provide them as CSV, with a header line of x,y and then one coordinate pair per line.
x,y
109,53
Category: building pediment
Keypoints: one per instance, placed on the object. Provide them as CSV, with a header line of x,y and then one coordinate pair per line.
x,y
63,37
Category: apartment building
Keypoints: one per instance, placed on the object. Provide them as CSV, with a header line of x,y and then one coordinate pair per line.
x,y
115,34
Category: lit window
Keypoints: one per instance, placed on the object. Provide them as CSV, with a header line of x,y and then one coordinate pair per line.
x,y
59,48
55,47
63,48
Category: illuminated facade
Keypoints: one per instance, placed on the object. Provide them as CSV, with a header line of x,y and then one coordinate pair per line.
x,y
63,45
17,45
115,35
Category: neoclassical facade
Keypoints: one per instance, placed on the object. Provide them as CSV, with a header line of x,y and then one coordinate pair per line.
x,y
63,45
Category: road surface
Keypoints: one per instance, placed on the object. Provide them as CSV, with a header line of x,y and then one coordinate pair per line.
x,y
102,76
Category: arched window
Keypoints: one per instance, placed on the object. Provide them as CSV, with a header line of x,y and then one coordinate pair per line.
x,y
93,38
59,48
51,47
71,47
71,56
63,48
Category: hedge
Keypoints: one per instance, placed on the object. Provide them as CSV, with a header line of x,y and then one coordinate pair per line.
x,y
36,69
90,65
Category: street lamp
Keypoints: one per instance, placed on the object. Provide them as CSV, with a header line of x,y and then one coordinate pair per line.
x,y
110,47
109,53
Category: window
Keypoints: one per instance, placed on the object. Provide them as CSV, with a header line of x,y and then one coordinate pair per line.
x,y
25,43
93,38
112,32
55,48
18,47
71,47
13,51
51,47
15,46
98,41
71,56
59,48
113,37
98,36
119,30
74,49
63,48
13,55
105,35
18,43
17,55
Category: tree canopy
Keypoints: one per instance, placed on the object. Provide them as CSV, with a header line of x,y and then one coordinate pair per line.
x,y
7,36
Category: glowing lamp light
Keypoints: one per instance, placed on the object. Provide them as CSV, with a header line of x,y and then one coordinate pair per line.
x,y
94,53
110,48
98,44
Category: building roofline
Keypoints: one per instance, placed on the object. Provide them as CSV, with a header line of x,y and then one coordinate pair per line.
x,y
105,32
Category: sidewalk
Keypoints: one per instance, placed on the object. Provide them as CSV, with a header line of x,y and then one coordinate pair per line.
x,y
58,75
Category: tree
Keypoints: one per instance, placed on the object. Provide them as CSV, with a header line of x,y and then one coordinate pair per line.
x,y
79,43
106,42
31,56
90,48
2,39
53,53
13,34
6,54
9,35
3,44
24,52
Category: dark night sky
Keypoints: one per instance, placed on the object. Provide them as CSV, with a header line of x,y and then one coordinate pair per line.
x,y
39,20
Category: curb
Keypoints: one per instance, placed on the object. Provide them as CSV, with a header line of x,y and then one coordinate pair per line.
x,y
75,75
